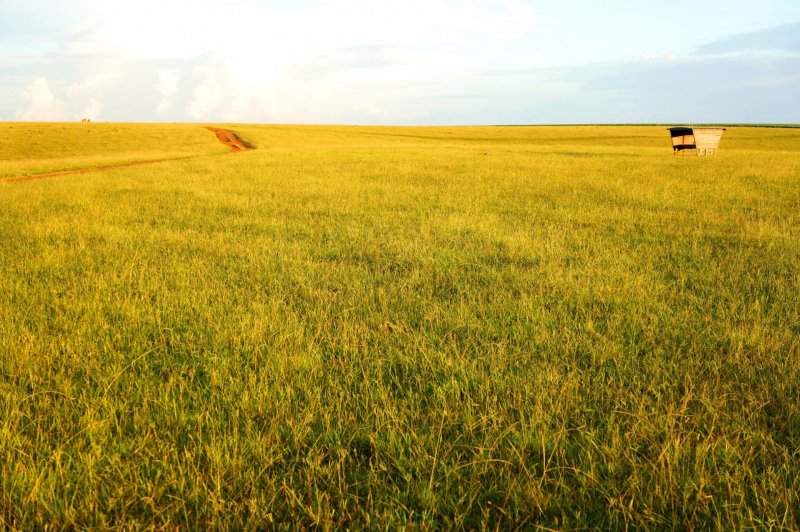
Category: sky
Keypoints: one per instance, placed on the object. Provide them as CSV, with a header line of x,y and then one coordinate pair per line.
x,y
401,62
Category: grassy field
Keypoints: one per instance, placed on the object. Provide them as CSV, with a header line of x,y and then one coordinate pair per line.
x,y
563,327
29,149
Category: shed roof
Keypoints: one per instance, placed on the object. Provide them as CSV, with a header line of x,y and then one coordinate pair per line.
x,y
690,128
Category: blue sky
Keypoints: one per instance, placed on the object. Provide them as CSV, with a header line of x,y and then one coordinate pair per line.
x,y
401,62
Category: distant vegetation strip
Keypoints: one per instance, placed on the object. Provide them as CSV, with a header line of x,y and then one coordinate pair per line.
x,y
664,124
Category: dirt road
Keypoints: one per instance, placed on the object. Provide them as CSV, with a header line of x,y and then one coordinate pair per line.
x,y
230,139
226,137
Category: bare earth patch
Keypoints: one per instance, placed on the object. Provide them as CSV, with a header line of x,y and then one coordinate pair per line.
x,y
230,139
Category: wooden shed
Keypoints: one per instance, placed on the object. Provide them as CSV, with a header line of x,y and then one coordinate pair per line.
x,y
699,141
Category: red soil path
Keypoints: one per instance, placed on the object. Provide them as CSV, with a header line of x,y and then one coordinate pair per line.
x,y
230,139
226,137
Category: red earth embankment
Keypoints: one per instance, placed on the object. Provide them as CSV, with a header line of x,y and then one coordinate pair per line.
x,y
230,139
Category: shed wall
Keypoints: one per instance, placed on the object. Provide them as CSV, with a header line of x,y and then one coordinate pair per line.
x,y
700,141
707,139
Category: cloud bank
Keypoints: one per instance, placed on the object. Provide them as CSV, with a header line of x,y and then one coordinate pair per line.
x,y
40,104
399,62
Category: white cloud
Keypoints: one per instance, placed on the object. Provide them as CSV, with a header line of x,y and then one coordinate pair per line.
x,y
345,61
41,104
93,109
92,86
83,100
369,109
210,96
167,86
248,27
89,94
222,95
317,61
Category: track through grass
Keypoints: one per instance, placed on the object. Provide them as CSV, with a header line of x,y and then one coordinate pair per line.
x,y
53,150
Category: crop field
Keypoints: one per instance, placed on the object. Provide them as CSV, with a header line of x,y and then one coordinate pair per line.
x,y
364,327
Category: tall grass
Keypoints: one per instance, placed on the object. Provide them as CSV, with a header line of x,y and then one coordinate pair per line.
x,y
428,327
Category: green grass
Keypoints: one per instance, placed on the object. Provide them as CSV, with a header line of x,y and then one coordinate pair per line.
x,y
563,327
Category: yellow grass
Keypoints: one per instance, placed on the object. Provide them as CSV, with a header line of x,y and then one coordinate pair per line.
x,y
37,148
514,327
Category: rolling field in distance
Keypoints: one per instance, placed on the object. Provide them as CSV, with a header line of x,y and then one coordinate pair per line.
x,y
29,149
374,327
